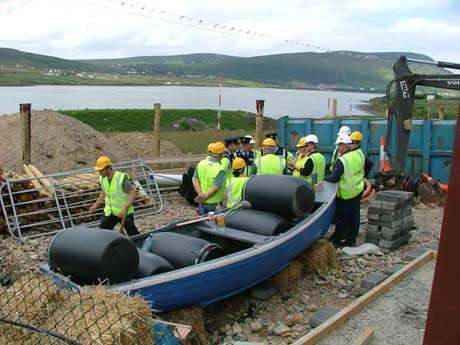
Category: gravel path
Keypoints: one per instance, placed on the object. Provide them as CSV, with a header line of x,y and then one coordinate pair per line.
x,y
397,318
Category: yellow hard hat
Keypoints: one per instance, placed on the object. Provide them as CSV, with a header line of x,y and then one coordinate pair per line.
x,y
238,163
356,136
218,148
302,142
102,163
269,142
210,147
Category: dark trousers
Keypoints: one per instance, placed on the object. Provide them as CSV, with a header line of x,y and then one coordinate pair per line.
x,y
110,222
347,220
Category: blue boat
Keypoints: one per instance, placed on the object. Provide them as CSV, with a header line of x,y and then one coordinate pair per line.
x,y
257,259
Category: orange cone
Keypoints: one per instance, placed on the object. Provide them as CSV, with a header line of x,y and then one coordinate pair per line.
x,y
384,160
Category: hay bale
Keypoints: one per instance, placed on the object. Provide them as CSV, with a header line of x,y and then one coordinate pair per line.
x,y
193,316
288,279
319,258
101,316
31,299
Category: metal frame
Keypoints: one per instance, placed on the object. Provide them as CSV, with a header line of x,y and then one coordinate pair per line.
x,y
55,206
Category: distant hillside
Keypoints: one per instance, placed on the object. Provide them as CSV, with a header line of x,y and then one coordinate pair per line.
x,y
342,69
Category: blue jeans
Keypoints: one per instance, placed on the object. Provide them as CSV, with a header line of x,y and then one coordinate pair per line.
x,y
206,208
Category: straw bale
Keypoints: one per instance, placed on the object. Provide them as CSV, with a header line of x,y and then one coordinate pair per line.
x,y
32,299
193,316
319,258
288,279
101,316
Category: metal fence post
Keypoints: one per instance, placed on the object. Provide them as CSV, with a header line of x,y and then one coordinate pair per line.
x,y
25,109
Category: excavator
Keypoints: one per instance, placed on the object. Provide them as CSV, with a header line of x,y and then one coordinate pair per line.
x,y
401,103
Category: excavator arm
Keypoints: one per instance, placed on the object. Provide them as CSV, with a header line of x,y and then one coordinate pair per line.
x,y
401,105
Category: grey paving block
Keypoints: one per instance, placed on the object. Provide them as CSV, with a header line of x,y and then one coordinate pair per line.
x,y
415,253
373,234
389,232
407,211
391,224
375,204
396,243
373,240
390,217
323,315
373,279
373,216
373,227
393,269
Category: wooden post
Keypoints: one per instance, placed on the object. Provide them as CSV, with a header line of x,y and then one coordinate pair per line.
x,y
156,130
25,109
334,107
259,121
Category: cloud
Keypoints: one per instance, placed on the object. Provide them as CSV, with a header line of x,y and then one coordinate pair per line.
x,y
87,29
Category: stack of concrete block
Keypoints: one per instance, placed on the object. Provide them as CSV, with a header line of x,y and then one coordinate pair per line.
x,y
390,219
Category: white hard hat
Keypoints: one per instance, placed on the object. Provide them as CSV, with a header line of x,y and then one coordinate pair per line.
x,y
343,139
251,139
311,138
344,130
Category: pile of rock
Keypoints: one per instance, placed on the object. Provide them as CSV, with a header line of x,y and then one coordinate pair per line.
x,y
390,219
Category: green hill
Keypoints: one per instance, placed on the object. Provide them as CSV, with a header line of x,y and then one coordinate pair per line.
x,y
341,69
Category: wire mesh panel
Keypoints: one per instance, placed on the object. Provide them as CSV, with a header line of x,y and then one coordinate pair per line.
x,y
33,310
45,204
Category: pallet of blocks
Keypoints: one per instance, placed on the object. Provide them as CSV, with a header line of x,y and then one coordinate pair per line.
x,y
390,219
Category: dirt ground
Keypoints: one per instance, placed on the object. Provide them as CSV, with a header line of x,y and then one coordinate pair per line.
x,y
61,143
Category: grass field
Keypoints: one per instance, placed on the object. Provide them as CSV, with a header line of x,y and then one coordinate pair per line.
x,y
36,77
449,106
141,120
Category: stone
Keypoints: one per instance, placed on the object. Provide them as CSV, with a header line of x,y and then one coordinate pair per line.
x,y
228,341
263,291
312,308
290,320
393,269
343,295
373,279
265,323
245,343
236,328
396,243
415,253
255,326
298,317
322,315
281,329
240,337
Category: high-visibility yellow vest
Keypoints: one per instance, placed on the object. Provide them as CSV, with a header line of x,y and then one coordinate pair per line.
x,y
270,164
207,171
234,190
115,197
319,167
352,181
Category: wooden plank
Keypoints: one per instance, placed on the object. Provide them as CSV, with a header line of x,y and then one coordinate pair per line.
x,y
25,111
365,337
353,308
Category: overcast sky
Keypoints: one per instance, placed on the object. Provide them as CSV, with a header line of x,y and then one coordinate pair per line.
x,y
80,29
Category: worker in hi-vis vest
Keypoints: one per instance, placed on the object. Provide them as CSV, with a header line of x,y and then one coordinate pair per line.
x,y
343,131
231,146
348,172
310,164
118,194
270,163
356,138
234,185
209,179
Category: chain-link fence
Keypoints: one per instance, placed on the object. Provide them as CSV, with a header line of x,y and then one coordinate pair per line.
x,y
33,310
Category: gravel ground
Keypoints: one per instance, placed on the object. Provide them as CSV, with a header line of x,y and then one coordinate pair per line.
x,y
285,316
397,318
